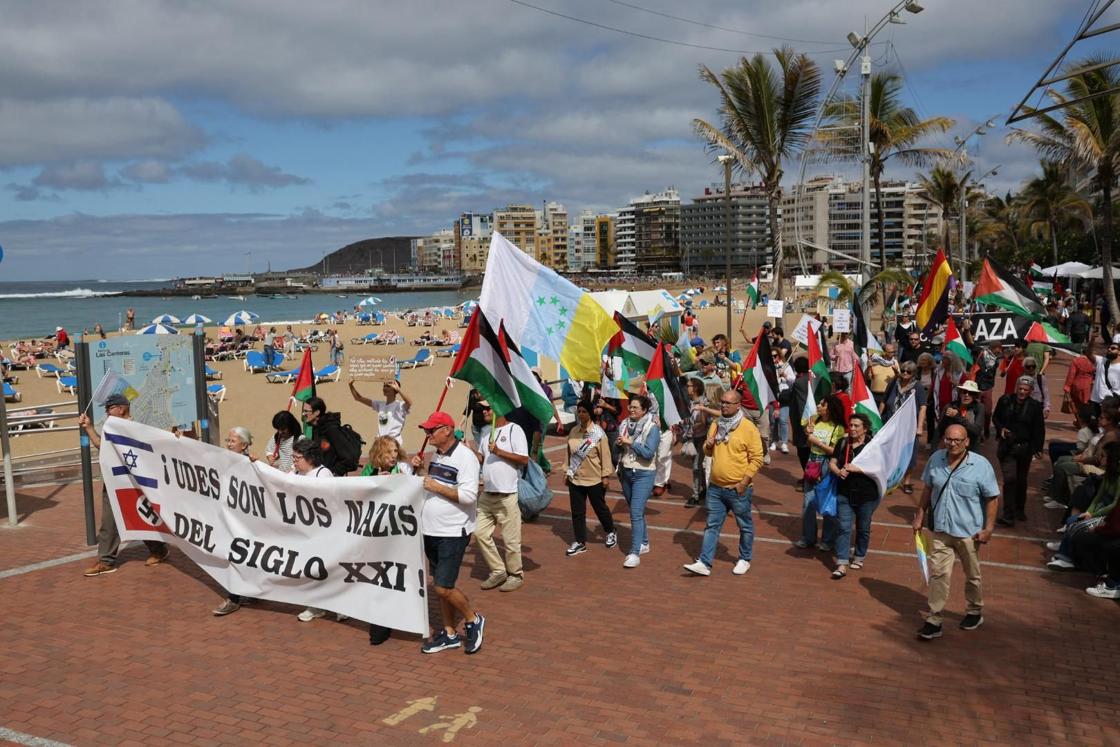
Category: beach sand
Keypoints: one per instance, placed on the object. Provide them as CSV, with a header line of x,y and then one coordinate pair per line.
x,y
251,401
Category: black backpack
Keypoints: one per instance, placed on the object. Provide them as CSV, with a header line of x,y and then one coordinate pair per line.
x,y
346,443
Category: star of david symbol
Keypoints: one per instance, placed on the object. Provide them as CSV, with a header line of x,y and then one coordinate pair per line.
x,y
130,459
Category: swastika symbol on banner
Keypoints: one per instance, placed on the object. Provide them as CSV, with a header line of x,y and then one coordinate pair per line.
x,y
145,511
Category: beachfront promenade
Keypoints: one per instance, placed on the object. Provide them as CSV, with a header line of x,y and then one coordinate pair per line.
x,y
586,652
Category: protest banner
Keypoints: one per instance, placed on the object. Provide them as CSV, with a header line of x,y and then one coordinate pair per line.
x,y
775,309
372,367
801,331
841,321
350,545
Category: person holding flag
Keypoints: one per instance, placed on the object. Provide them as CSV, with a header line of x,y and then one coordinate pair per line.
x,y
857,497
823,432
638,441
959,503
900,389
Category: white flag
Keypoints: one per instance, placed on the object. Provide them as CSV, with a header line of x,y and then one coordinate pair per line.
x,y
887,456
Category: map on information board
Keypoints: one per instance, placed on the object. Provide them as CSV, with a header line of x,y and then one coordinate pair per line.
x,y
156,372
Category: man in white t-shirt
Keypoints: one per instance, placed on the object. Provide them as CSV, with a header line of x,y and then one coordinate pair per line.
x,y
447,520
391,413
504,452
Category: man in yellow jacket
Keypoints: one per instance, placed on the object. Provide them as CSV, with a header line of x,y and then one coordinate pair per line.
x,y
736,449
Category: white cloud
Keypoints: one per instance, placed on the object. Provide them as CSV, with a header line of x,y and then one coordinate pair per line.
x,y
242,171
115,127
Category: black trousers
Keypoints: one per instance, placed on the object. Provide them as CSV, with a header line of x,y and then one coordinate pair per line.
x,y
1015,464
579,495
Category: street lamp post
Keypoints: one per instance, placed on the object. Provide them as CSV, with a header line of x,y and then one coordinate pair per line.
x,y
727,160
962,145
865,156
964,224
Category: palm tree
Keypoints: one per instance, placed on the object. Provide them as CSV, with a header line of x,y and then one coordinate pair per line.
x,y
1087,136
942,187
873,291
895,131
766,115
1050,201
998,222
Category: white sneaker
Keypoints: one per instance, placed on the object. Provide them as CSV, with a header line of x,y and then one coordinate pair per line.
x,y
611,540
785,448
698,569
1060,564
773,447
1104,591
1053,504
766,459
311,613
741,567
1053,546
632,561
643,549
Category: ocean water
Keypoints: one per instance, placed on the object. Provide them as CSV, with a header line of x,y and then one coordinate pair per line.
x,y
34,309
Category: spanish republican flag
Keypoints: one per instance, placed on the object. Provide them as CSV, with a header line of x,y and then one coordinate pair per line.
x,y
933,305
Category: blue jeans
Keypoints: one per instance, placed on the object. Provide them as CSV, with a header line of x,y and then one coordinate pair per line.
x,y
720,502
809,520
848,514
779,425
637,485
270,356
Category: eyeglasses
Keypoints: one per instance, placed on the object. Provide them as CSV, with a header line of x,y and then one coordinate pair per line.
x,y
725,403
955,440
430,431
297,455
484,407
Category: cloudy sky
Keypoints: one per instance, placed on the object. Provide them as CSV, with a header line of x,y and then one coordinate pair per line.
x,y
155,138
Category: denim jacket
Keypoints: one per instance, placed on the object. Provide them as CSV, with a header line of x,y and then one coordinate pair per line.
x,y
642,453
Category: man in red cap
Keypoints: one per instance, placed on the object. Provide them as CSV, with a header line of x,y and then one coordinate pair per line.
x,y
448,519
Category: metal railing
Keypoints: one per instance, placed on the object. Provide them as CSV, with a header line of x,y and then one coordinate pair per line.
x,y
59,465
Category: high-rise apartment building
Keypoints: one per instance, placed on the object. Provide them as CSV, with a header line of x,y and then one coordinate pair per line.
x,y
472,241
518,224
704,231
435,253
605,250
552,237
647,234
829,213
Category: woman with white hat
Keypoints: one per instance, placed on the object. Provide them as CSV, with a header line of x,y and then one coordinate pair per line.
x,y
965,410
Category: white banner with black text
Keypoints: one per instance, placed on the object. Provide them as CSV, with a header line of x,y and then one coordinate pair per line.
x,y
351,545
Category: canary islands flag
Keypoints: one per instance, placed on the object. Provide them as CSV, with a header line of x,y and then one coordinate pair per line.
x,y
539,308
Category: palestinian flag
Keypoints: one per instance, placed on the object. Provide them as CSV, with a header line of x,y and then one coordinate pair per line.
x,y
863,401
1035,272
662,384
999,287
954,343
753,294
634,347
818,366
759,379
304,388
491,363
863,338
1043,332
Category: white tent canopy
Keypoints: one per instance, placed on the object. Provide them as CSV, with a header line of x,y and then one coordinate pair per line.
x,y
1066,270
638,304
1097,273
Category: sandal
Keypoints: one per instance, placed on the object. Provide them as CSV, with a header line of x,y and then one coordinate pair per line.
x,y
908,489
839,573
856,565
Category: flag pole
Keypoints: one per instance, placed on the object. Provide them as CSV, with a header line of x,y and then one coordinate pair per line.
x,y
439,406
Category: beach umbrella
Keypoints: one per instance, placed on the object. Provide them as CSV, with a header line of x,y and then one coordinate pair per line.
x,y
241,317
371,301
469,306
166,319
196,319
158,329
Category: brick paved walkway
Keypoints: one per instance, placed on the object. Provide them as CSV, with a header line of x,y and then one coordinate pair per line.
x,y
585,652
